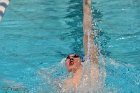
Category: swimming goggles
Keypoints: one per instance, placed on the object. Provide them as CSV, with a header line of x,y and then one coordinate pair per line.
x,y
74,56
71,57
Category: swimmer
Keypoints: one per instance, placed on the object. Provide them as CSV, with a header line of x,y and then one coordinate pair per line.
x,y
73,61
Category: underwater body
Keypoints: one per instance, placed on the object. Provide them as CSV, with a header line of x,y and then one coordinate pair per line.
x,y
37,35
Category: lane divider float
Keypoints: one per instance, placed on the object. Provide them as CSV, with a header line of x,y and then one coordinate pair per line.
x,y
3,5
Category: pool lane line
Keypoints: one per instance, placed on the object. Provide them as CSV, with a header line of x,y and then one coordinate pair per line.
x,y
3,5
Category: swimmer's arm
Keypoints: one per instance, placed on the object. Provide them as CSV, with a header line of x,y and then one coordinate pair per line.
x,y
93,52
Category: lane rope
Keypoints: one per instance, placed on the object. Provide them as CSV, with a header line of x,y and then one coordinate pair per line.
x,y
3,5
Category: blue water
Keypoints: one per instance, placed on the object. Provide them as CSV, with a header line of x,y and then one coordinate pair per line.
x,y
37,34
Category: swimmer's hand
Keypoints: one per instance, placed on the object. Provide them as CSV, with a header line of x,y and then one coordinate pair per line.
x,y
87,2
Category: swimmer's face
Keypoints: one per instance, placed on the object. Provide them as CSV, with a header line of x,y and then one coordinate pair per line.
x,y
72,62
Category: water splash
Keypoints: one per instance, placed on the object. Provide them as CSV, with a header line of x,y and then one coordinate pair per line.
x,y
12,86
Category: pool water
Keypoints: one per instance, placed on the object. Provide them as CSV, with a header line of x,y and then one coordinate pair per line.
x,y
37,34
